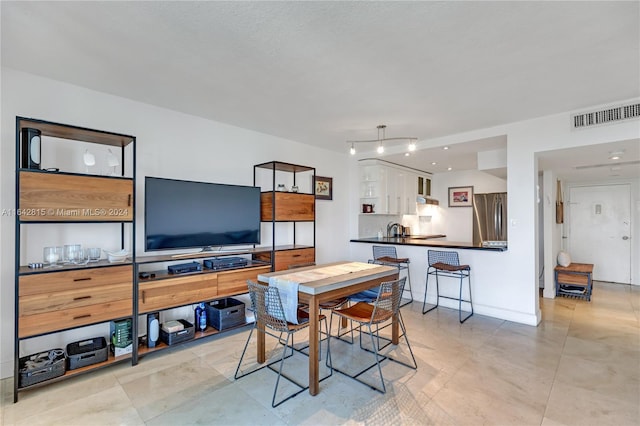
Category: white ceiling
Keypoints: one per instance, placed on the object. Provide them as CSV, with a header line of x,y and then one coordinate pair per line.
x,y
322,73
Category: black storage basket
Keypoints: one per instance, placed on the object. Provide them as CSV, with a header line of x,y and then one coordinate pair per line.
x,y
187,333
87,352
225,313
36,368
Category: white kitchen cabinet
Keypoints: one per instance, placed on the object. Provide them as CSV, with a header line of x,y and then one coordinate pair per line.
x,y
389,188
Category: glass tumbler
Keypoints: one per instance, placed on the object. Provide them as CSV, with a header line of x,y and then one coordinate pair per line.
x,y
52,255
73,253
92,254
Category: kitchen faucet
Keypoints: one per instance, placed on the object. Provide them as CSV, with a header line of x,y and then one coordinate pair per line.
x,y
390,228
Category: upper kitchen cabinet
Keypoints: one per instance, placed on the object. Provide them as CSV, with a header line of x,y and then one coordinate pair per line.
x,y
387,188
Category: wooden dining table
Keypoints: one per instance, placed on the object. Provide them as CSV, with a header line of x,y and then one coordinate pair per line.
x,y
321,283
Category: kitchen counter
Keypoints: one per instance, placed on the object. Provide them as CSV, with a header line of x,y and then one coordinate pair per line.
x,y
425,241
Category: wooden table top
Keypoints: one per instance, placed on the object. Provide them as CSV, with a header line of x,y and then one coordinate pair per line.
x,y
331,276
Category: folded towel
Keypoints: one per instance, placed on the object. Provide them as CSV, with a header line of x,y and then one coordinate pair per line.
x,y
288,296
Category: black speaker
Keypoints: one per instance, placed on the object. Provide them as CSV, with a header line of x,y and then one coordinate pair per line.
x,y
31,148
153,329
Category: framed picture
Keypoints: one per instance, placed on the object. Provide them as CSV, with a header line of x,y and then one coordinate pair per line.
x,y
461,196
324,188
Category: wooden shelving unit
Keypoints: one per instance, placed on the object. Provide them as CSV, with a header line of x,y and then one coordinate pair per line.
x,y
56,299
290,208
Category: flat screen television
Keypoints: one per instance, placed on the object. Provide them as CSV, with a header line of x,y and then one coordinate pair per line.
x,y
182,214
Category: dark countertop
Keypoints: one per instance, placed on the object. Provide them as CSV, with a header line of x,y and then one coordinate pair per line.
x,y
425,242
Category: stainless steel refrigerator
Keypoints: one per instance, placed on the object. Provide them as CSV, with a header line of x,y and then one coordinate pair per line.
x,y
490,219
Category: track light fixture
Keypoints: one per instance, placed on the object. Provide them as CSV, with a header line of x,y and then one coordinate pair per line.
x,y
381,139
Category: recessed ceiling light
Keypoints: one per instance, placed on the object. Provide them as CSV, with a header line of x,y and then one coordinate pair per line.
x,y
615,155
449,168
406,154
445,147
433,163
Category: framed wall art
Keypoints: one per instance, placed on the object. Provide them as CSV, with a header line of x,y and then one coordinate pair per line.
x,y
461,196
323,188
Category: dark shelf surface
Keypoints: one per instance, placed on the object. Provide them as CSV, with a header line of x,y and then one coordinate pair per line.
x,y
25,270
284,167
82,134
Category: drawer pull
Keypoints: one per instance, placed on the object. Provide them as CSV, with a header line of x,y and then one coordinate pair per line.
x,y
296,255
143,294
82,279
129,200
82,316
82,298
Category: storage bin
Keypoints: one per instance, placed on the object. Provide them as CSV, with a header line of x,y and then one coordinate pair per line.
x,y
225,313
40,367
178,336
86,352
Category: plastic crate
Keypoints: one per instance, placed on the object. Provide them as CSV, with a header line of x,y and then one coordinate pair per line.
x,y
87,352
36,368
178,336
225,313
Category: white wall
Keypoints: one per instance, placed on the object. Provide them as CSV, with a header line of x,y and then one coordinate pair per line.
x,y
457,222
169,144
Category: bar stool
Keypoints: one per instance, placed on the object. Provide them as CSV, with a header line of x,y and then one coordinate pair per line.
x,y
387,255
447,264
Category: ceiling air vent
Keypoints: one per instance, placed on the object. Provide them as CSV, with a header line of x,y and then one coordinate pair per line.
x,y
588,119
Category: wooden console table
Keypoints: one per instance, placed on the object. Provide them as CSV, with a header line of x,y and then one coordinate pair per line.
x,y
574,280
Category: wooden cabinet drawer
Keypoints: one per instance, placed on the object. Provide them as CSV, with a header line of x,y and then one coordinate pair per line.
x,y
30,325
75,280
69,299
235,282
290,206
60,300
61,197
172,292
284,258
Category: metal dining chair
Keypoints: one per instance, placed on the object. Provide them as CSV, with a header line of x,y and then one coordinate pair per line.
x,y
268,310
382,310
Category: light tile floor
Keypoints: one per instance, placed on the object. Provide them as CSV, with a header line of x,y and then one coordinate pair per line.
x,y
580,366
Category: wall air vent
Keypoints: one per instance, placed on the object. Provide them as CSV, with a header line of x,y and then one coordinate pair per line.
x,y
604,116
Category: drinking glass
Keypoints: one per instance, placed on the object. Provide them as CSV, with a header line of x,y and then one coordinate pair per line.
x,y
52,255
92,254
73,253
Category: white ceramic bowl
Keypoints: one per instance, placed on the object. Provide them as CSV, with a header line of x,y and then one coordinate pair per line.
x,y
117,256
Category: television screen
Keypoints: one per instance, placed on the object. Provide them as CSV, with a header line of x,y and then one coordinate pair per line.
x,y
185,214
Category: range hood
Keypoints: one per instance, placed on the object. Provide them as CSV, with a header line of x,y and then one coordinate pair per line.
x,y
426,200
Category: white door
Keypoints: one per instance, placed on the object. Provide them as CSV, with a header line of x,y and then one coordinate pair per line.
x,y
599,230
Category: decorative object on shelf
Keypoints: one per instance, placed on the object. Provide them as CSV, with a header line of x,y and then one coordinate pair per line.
x,y
31,148
281,187
89,160
367,208
53,255
461,196
381,131
117,256
323,188
295,188
153,329
564,258
112,162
